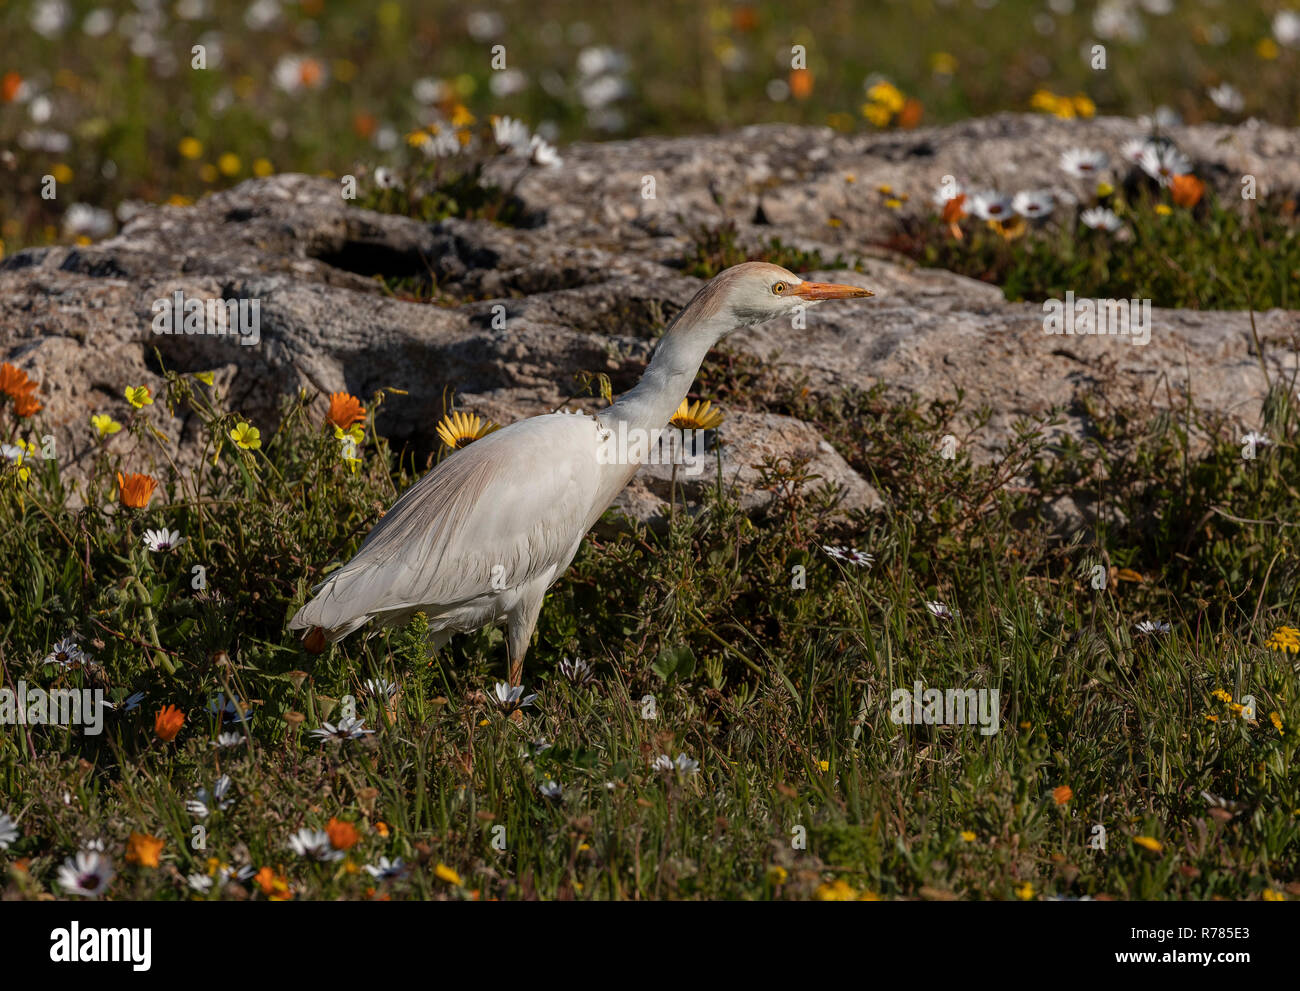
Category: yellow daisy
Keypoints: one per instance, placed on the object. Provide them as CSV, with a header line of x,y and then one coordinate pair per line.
x,y
458,430
699,415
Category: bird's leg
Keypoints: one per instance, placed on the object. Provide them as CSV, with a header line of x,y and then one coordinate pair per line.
x,y
519,632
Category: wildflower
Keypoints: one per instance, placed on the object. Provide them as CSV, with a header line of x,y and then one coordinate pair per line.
x,y
161,541
246,436
1083,163
128,704
942,64
314,844
967,836
445,873
1276,719
8,830
990,206
85,221
1163,163
1227,97
342,835
578,671
1269,895
191,148
88,874
1147,627
800,83
550,789
699,415
274,886
227,740
345,410
510,134
231,710
458,430
1131,151
65,654
1285,639
1186,190
1062,794
1221,695
838,890
1033,204
511,697
348,728
168,723
1025,891
1149,843
380,688
939,610
1286,28
135,490
1164,209
685,765
850,555
1104,189
777,875
15,384
387,870
544,154
386,178
1100,218
105,424
17,454
143,849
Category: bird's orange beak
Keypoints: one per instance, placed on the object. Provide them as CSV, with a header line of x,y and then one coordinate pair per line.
x,y
828,290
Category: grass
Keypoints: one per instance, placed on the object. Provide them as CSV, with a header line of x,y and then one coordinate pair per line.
x,y
758,655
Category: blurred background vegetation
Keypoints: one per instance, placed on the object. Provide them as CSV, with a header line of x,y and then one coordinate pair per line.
x,y
105,98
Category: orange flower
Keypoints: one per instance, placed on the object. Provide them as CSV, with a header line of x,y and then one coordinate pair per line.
x,y
168,722
309,73
143,849
382,829
134,491
27,404
273,885
910,115
343,835
14,381
1062,794
954,209
9,86
801,83
1186,190
363,125
345,410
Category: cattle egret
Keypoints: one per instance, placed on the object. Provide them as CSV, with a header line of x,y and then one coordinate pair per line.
x,y
483,535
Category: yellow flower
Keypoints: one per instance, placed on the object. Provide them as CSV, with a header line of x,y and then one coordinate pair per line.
x,y
446,874
105,424
877,113
460,116
943,64
1025,892
246,436
1164,209
1285,639
1269,895
61,173
1221,695
229,164
967,836
699,415
825,765
838,890
138,396
1149,843
176,199
458,430
262,168
190,148
893,204
205,377
776,874
417,139
1104,189
1276,719
888,94
1267,49
1083,106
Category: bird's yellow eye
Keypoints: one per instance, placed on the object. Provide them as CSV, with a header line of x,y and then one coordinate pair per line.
x,y
778,287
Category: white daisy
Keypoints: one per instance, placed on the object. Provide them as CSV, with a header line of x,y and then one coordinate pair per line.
x,y
314,844
444,144
662,763
200,883
1132,150
685,765
544,154
204,801
161,541
550,789
1227,97
87,873
65,653
1163,119
226,740
379,687
990,206
939,609
1147,627
1084,163
510,697
347,728
1286,28
386,870
1031,203
511,134
386,178
1100,218
577,671
1162,164
8,830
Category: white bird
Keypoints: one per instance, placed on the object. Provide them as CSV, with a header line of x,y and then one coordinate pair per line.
x,y
483,535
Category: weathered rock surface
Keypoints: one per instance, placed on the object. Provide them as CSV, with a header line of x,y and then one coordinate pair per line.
x,y
590,287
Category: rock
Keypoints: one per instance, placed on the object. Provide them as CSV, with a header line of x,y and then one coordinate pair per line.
x,y
591,285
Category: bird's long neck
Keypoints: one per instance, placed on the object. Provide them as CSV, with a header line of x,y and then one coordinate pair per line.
x,y
652,401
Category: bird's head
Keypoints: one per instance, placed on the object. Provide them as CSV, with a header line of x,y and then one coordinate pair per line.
x,y
757,291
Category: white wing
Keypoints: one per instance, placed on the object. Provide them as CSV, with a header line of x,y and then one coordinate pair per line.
x,y
518,500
